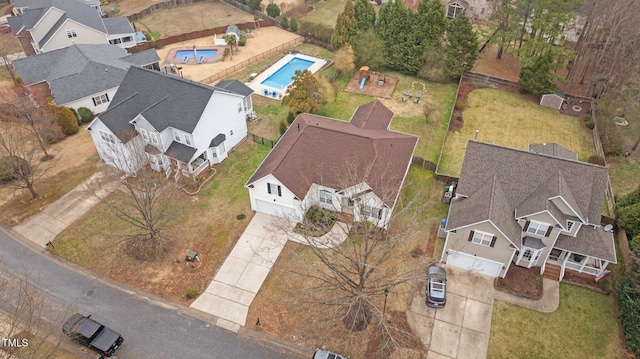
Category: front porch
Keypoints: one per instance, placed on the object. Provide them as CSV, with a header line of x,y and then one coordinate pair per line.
x,y
575,262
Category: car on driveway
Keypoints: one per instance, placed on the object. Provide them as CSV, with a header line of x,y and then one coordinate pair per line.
x,y
436,291
325,354
92,334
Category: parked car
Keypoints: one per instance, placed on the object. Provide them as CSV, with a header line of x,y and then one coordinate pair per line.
x,y
436,292
325,354
92,334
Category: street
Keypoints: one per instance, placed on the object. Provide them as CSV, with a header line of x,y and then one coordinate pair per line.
x,y
152,328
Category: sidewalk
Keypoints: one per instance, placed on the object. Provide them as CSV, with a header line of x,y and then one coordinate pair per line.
x,y
46,225
548,303
241,275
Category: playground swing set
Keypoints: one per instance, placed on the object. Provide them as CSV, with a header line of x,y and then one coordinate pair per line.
x,y
365,74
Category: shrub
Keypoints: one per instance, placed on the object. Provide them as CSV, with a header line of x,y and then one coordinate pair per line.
x,y
318,215
283,127
10,165
284,23
459,105
319,31
68,121
628,300
190,293
273,10
85,114
294,25
242,41
75,113
589,123
291,117
597,160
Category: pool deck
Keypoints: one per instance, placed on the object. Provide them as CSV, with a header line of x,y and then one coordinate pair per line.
x,y
259,89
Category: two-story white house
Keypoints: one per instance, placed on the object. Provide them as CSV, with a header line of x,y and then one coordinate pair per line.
x,y
47,25
178,126
81,75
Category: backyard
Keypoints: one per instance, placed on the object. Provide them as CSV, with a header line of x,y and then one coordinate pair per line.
x,y
510,120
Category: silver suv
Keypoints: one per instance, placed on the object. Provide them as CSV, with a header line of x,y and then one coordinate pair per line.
x,y
325,354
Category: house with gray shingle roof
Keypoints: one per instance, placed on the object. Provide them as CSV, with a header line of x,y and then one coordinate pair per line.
x,y
177,126
82,75
47,25
537,208
356,167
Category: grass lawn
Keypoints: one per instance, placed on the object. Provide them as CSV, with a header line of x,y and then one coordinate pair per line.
x,y
624,173
205,222
510,120
584,326
326,12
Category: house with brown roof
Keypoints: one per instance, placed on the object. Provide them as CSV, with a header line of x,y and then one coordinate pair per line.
x,y
537,208
356,167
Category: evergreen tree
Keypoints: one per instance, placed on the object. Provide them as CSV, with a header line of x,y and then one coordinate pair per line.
x,y
345,26
294,25
284,23
369,50
365,16
431,23
396,27
537,76
462,47
304,94
273,10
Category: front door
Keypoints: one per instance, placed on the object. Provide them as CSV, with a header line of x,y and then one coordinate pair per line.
x,y
528,257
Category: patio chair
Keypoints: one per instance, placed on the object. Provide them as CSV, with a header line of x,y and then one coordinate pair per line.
x,y
403,99
407,93
416,100
201,59
185,59
419,95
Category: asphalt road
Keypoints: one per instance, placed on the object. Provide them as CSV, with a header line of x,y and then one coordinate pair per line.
x,y
152,327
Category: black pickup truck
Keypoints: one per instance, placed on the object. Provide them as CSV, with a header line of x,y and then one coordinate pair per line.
x,y
92,334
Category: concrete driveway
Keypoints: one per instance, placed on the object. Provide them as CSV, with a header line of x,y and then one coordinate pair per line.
x,y
460,329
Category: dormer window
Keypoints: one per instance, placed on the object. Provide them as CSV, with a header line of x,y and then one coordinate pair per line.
x,y
538,228
570,225
72,33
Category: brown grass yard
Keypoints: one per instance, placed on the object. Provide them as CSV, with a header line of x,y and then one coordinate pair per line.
x,y
509,120
205,222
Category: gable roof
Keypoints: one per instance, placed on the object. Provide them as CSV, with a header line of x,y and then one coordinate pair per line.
x,y
163,100
339,155
117,25
78,71
235,86
373,115
553,149
528,181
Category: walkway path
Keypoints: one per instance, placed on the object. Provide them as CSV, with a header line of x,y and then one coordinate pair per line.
x,y
548,303
241,275
46,225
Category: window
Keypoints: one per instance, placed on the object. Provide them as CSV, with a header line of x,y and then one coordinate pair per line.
x,y
482,238
373,212
231,133
538,228
154,138
454,10
107,137
325,196
176,135
145,134
570,225
245,103
187,140
100,99
240,107
274,189
71,33
115,41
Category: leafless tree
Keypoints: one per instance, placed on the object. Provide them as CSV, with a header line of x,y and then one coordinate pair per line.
x,y
608,50
19,163
361,259
29,321
37,119
146,200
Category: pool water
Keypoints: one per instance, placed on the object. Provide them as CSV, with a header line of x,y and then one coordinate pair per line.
x,y
207,54
284,76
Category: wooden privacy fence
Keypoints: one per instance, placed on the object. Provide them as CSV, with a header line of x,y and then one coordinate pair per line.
x,y
262,140
242,65
419,161
176,3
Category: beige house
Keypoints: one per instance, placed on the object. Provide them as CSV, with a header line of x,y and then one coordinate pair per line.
x,y
48,25
537,208
474,9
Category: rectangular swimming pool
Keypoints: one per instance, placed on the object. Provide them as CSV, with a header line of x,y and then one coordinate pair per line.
x,y
207,54
284,76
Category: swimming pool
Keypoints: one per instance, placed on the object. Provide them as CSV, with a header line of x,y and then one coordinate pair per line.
x,y
207,54
284,76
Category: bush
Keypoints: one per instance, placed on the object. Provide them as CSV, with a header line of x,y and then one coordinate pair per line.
x,y
273,10
319,31
283,127
85,114
291,117
596,160
75,113
10,165
589,123
294,25
284,23
242,41
318,215
190,293
68,121
628,300
459,106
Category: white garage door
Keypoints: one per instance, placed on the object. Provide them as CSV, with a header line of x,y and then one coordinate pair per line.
x,y
275,209
476,264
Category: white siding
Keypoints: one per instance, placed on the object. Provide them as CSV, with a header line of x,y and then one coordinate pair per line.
x,y
259,192
86,35
117,155
45,24
221,116
88,102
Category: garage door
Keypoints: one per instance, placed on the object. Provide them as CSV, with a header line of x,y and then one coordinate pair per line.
x,y
476,264
275,209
